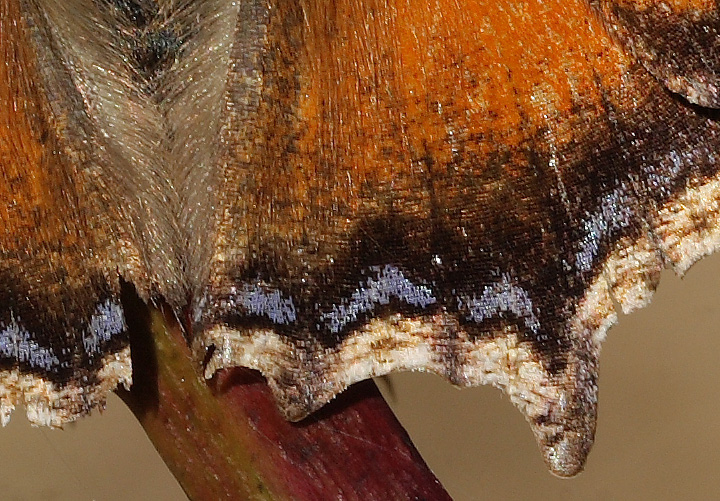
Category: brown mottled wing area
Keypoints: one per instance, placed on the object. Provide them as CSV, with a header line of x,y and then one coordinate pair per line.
x,y
459,187
678,41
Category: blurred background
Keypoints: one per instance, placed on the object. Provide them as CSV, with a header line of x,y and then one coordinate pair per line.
x,y
658,433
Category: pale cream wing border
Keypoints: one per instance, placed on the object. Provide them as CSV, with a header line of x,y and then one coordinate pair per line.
x,y
50,404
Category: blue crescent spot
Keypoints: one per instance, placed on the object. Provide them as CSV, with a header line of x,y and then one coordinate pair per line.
x,y
256,300
17,343
503,296
389,282
108,321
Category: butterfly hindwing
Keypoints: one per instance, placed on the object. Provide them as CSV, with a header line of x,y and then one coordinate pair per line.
x,y
413,188
63,341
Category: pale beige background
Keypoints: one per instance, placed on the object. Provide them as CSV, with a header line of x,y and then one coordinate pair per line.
x,y
658,435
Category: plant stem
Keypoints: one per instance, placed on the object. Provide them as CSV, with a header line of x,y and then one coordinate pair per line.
x,y
225,439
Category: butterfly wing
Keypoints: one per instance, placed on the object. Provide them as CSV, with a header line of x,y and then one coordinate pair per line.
x,y
82,205
458,187
345,189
